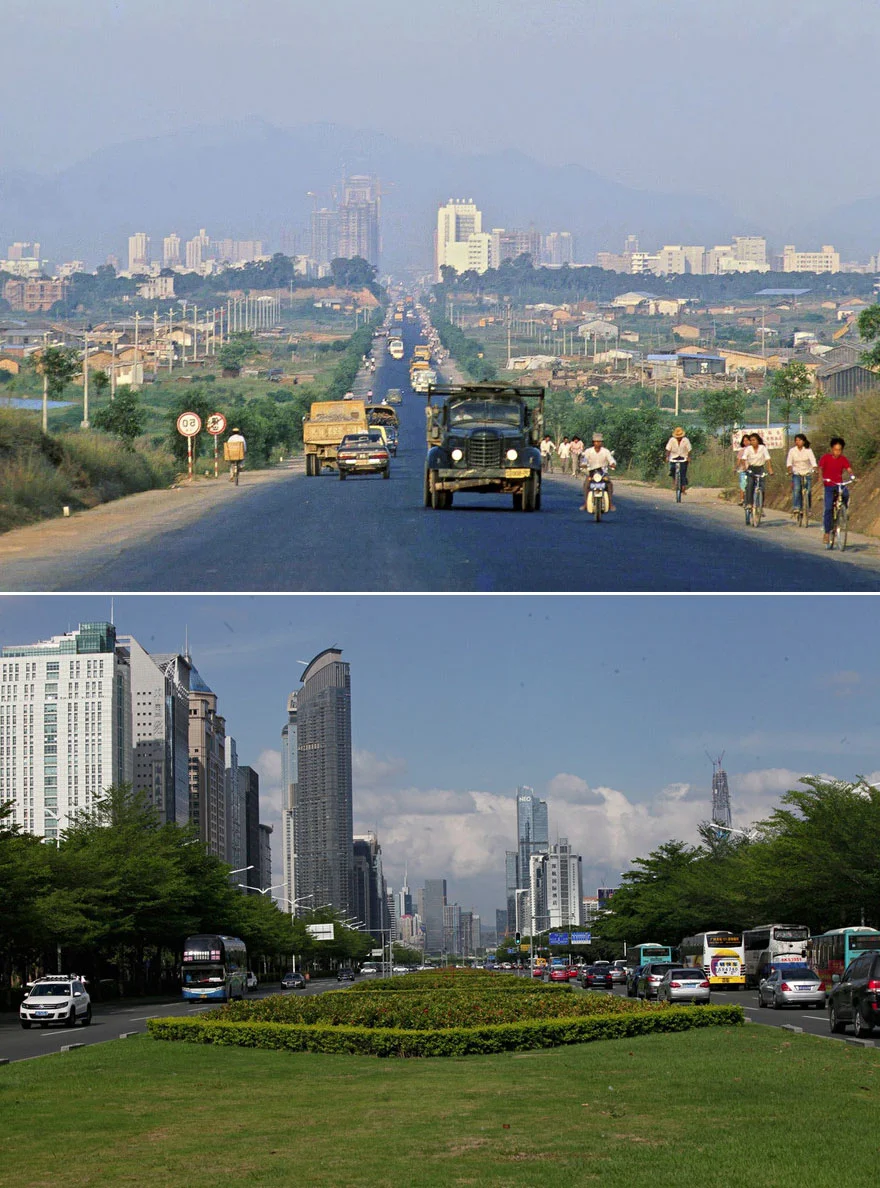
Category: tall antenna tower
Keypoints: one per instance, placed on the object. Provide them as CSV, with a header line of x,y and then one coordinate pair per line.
x,y
720,794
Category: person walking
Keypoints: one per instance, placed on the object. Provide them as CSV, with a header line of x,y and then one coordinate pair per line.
x,y
800,464
548,449
577,449
564,451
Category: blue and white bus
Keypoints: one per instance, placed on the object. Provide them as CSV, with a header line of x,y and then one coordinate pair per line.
x,y
647,953
214,968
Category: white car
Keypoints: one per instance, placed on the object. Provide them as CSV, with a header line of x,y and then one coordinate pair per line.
x,y
59,999
251,980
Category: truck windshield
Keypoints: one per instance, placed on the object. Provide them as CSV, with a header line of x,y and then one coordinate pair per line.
x,y
467,412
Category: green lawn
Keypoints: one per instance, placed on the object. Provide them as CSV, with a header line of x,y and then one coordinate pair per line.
x,y
711,1107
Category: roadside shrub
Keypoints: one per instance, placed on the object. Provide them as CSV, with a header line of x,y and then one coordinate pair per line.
x,y
454,1041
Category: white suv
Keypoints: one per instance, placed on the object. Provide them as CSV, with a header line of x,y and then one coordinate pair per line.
x,y
59,999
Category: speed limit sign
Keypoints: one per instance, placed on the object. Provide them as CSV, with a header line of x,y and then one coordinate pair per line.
x,y
216,424
189,424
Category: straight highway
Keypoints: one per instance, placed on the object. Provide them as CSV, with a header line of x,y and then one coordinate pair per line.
x,y
317,534
111,1020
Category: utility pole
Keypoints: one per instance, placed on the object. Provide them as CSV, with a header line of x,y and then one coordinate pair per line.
x,y
85,420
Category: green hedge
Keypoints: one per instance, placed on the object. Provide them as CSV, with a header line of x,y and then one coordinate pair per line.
x,y
456,1041
464,980
426,1011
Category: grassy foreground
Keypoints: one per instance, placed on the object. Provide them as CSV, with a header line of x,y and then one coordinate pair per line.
x,y
744,1105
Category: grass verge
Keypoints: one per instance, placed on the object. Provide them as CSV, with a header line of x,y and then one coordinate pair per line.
x,y
750,1104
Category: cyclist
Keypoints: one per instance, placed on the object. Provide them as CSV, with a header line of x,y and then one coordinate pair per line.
x,y
678,449
755,460
597,457
236,438
834,466
800,463
740,467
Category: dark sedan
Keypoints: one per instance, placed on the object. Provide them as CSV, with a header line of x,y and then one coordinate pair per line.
x,y
597,977
363,453
345,975
293,981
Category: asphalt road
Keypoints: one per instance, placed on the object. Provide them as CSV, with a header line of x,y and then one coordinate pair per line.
x,y
109,1021
366,534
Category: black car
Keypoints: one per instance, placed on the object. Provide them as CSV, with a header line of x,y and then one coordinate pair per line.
x,y
596,977
855,998
632,981
293,981
363,453
345,974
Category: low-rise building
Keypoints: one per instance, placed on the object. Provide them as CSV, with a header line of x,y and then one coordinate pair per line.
x,y
826,260
34,296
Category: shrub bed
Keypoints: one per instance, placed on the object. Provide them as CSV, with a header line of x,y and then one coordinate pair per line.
x,y
453,1041
427,1010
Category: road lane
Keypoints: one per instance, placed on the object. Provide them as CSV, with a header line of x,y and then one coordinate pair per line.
x,y
318,534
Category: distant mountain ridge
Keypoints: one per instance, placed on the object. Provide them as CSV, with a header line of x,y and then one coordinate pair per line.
x,y
251,180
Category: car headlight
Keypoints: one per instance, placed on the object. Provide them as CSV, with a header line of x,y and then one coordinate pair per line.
x,y
457,455
511,455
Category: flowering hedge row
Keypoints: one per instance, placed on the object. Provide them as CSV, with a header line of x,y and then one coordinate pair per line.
x,y
426,1009
453,1041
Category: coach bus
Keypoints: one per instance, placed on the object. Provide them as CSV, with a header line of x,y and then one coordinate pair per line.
x,y
774,944
720,953
214,968
646,953
830,953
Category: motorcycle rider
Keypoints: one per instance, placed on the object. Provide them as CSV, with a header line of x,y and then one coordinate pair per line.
x,y
598,457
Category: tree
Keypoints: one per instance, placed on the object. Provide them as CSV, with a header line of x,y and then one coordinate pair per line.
x,y
235,350
724,409
791,387
355,273
869,331
57,366
123,417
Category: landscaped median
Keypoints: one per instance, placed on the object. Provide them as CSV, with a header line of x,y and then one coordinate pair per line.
x,y
471,1016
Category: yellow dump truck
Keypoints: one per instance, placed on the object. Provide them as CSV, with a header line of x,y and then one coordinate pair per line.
x,y
324,428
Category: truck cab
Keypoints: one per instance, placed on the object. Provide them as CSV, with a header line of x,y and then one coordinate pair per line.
x,y
484,438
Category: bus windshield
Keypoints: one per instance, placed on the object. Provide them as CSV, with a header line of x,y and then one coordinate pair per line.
x,y
210,976
791,934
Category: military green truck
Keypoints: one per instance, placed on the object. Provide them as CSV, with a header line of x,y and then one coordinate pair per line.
x,y
484,438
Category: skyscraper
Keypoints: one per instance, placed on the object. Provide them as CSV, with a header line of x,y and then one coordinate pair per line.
x,y
322,805
289,768
207,767
511,883
325,236
65,725
251,785
358,219
370,894
171,250
531,829
236,825
434,901
160,729
563,887
460,241
138,252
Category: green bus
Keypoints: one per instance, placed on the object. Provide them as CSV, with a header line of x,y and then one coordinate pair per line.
x,y
646,953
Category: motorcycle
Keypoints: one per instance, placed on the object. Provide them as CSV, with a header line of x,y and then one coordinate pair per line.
x,y
597,499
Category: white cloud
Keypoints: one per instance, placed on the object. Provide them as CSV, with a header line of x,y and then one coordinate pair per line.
x,y
371,770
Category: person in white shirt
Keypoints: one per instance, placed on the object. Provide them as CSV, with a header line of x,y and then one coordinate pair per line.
x,y
739,467
755,461
800,463
678,449
548,449
564,452
597,457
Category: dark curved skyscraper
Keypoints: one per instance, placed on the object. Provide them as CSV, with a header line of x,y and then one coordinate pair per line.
x,y
322,815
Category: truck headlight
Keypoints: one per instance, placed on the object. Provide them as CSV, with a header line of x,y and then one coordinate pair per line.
x,y
512,455
457,455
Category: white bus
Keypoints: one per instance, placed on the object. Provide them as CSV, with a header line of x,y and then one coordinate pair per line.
x,y
720,953
774,944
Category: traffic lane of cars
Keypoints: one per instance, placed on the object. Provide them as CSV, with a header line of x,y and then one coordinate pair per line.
x,y
109,1021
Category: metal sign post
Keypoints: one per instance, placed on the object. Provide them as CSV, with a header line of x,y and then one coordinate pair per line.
x,y
189,425
216,424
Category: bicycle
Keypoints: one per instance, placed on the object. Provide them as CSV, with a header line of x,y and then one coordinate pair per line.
x,y
676,464
804,482
839,517
754,506
235,468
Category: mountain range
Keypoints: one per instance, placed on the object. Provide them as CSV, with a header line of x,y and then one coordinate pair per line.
x,y
251,180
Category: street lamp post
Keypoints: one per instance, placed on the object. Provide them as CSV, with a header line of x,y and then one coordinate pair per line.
x,y
262,890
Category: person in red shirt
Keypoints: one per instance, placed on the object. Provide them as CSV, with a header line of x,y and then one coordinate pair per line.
x,y
834,467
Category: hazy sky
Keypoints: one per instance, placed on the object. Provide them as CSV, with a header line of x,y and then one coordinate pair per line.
x,y
768,105
606,706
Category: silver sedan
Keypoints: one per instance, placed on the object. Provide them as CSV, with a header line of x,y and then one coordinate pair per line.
x,y
797,986
684,985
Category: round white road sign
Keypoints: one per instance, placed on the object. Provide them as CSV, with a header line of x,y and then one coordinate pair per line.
x,y
216,424
189,424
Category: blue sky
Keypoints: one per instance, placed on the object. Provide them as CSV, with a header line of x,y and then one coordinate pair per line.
x,y
731,99
605,705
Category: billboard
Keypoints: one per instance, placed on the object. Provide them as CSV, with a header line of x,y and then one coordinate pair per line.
x,y
323,932
581,938
558,938
773,439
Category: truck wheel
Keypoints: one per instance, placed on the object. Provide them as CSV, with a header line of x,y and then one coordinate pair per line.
x,y
427,490
341,474
308,465
316,466
530,493
386,473
517,501
438,501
